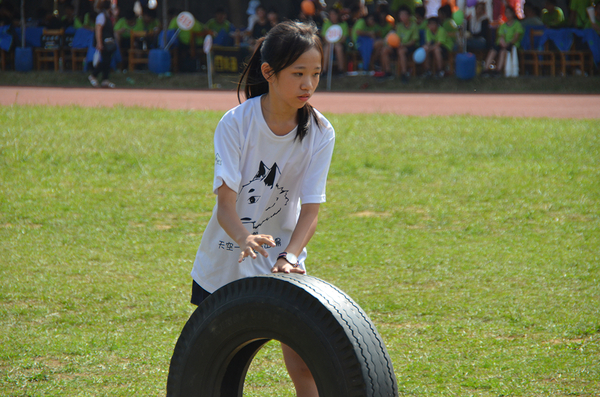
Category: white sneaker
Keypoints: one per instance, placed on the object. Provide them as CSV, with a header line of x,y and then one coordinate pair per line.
x,y
108,84
93,81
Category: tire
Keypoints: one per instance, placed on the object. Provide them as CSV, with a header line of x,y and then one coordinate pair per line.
x,y
331,333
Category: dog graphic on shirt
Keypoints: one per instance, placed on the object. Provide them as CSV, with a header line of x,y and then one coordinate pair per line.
x,y
260,186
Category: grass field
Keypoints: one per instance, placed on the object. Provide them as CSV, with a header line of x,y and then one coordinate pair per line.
x,y
473,243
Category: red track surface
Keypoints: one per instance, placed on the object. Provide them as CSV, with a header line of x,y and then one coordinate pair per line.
x,y
519,105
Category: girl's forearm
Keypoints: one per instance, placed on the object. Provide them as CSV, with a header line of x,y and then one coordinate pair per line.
x,y
305,228
228,217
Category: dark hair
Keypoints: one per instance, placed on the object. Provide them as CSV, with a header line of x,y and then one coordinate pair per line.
x,y
105,5
553,2
509,8
129,14
405,9
445,10
280,48
435,20
420,11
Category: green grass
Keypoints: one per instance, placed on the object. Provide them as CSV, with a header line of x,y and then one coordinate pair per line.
x,y
473,243
199,81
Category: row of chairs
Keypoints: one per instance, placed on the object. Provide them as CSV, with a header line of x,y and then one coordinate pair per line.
x,y
545,59
72,51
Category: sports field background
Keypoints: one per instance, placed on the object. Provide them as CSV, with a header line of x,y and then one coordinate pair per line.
x,y
472,242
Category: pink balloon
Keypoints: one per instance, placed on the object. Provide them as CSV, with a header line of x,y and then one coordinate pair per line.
x,y
471,3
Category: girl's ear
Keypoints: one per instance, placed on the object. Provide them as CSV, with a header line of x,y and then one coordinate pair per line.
x,y
267,72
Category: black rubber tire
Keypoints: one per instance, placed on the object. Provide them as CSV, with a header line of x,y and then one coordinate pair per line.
x,y
331,333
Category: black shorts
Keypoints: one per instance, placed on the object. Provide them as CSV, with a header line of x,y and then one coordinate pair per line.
x,y
198,294
498,48
445,51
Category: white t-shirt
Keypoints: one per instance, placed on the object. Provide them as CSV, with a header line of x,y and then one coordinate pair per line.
x,y
273,175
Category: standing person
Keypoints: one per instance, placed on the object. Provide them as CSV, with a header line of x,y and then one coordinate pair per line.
x,y
104,41
272,156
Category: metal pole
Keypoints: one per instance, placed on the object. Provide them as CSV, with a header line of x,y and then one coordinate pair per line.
x,y
165,24
22,23
330,69
209,69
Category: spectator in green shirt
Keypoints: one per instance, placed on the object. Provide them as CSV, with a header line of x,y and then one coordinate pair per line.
x,y
552,16
509,35
445,16
124,26
365,33
408,31
220,28
437,45
185,36
338,48
421,23
579,17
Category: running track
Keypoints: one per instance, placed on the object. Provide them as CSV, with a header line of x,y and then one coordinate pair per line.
x,y
519,105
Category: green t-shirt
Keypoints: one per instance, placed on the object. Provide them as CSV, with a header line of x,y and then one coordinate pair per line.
x,y
384,29
451,28
344,25
408,36
579,7
122,24
186,35
441,36
361,24
509,32
217,27
553,19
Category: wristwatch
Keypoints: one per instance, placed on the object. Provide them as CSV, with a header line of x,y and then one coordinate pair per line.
x,y
290,258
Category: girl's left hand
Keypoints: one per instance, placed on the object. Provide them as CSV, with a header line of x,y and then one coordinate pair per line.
x,y
283,266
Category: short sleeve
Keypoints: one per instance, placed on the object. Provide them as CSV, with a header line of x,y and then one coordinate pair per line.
x,y
100,19
315,178
228,147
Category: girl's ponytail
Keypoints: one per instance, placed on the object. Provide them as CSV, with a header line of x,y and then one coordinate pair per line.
x,y
252,78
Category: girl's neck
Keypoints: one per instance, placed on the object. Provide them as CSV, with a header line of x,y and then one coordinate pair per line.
x,y
280,118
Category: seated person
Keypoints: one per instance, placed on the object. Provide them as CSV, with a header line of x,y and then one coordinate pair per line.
x,y
185,36
124,26
364,35
261,25
69,19
408,31
532,15
339,47
552,16
509,35
446,21
220,28
479,29
578,17
421,23
596,24
437,46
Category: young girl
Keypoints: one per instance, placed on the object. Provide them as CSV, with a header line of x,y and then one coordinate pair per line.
x,y
272,156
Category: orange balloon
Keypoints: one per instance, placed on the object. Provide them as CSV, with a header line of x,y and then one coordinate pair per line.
x,y
308,7
393,40
390,19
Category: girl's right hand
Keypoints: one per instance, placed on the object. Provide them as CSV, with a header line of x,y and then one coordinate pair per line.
x,y
253,244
